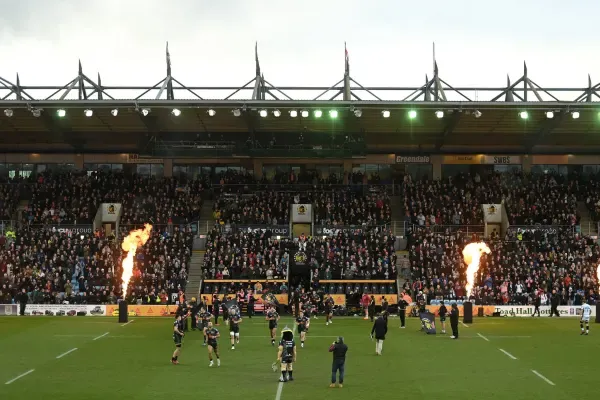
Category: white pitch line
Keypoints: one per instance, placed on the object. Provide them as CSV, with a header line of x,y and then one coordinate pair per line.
x,y
483,337
508,354
279,390
19,377
127,323
308,336
64,354
101,336
548,381
465,325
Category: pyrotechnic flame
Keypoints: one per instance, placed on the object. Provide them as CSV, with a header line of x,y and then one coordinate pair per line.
x,y
598,273
472,254
131,242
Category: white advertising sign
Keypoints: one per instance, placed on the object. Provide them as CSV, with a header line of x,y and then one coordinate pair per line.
x,y
492,213
302,213
70,310
110,212
527,311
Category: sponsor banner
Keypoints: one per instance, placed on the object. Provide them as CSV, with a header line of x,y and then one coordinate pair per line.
x,y
428,322
543,229
487,310
64,309
321,230
281,298
277,230
527,311
133,310
302,213
501,160
8,309
136,159
492,213
413,159
110,212
468,159
339,299
71,230
391,298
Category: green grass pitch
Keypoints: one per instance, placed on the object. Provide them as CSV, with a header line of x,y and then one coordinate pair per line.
x,y
494,359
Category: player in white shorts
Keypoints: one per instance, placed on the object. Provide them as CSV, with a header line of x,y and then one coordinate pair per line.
x,y
586,313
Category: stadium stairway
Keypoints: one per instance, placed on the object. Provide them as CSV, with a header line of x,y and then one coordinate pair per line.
x,y
403,268
206,217
588,227
194,282
397,217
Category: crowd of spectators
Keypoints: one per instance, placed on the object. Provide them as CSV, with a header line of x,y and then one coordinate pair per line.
x,y
74,198
545,200
519,266
246,255
63,265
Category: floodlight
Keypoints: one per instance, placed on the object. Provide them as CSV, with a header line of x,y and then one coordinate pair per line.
x,y
293,113
145,112
439,114
176,112
412,114
276,113
575,114
263,113
36,112
318,113
211,112
114,112
304,114
549,114
8,112
385,113
88,113
236,112
358,113
333,113
477,114
61,113
524,114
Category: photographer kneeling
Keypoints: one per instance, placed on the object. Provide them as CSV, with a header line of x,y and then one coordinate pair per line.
x,y
339,350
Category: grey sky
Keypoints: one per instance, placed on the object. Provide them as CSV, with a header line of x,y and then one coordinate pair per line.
x,y
300,42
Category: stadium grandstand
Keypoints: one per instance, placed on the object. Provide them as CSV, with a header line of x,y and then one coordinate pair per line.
x,y
343,194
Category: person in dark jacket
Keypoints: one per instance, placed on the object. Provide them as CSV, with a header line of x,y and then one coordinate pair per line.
x,y
194,309
379,330
554,304
372,307
454,321
402,304
339,350
22,299
537,303
442,312
216,308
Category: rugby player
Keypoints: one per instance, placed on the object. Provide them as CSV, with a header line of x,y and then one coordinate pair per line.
x,y
234,329
286,355
307,309
443,311
586,313
178,328
329,303
301,324
204,318
213,347
273,318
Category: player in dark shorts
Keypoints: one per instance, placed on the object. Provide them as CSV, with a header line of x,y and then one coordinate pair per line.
x,y
301,324
204,318
272,317
213,347
286,355
234,329
307,309
443,311
329,304
178,328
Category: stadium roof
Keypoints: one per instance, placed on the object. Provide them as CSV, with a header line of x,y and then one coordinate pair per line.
x,y
474,118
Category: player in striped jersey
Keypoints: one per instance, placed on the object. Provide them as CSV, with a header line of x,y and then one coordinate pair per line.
x,y
586,313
